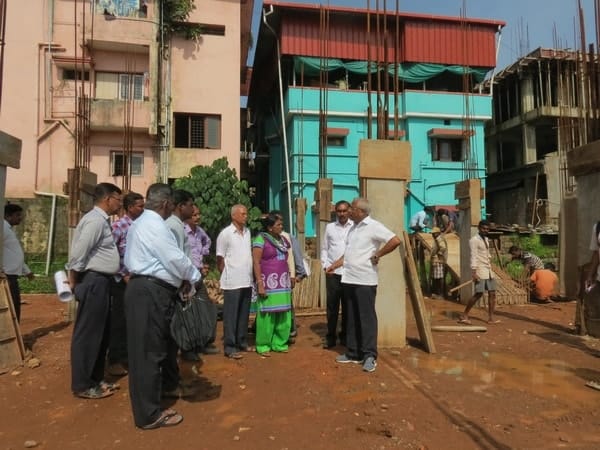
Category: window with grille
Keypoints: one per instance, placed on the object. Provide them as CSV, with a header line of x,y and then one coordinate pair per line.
x,y
197,130
447,150
132,82
110,85
118,160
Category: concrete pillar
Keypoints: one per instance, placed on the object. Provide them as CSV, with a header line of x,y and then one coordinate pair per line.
x,y
468,193
529,144
569,257
10,156
491,151
384,168
552,172
527,99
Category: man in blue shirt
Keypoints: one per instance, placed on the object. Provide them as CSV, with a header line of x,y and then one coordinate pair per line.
x,y
159,269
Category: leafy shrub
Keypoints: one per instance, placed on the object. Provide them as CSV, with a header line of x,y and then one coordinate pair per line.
x,y
532,244
216,189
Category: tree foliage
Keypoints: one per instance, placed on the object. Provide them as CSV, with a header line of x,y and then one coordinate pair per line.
x,y
175,17
216,189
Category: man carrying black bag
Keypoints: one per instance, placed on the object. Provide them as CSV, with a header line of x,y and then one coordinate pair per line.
x,y
194,322
159,269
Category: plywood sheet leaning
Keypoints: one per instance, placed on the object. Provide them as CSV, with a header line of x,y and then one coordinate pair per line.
x,y
12,351
416,296
306,293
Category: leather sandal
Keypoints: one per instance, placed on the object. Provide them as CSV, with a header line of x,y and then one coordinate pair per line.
x,y
168,418
94,393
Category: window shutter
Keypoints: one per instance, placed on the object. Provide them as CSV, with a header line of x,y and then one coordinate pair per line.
x,y
123,86
213,132
138,87
106,85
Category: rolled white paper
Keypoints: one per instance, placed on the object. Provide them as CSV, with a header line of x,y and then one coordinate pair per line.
x,y
62,286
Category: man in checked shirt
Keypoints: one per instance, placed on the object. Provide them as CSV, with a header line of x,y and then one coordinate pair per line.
x,y
133,205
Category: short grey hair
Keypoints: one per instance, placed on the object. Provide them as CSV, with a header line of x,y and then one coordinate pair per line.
x,y
362,203
237,206
157,193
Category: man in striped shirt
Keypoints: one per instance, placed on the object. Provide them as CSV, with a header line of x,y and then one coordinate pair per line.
x,y
530,261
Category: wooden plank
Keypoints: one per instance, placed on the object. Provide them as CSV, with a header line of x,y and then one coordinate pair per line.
x,y
323,197
416,298
12,350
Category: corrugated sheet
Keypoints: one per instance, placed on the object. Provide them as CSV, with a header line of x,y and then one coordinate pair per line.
x,y
449,43
421,40
301,35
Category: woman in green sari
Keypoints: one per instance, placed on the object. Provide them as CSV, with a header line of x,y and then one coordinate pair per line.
x,y
273,286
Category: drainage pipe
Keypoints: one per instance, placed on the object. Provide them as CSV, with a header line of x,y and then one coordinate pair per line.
x,y
283,122
50,241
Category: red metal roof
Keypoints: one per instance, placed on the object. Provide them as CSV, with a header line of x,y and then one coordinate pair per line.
x,y
423,38
363,12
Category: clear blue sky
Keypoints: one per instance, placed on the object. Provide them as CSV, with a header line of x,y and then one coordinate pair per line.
x,y
529,23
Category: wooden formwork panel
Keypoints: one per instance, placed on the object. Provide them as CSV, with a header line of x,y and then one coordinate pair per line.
x,y
12,351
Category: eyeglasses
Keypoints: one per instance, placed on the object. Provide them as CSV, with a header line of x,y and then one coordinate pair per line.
x,y
117,198
341,210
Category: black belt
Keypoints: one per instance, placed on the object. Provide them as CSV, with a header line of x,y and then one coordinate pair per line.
x,y
157,281
102,274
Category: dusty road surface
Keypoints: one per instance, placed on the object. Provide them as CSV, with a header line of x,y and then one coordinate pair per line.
x,y
520,385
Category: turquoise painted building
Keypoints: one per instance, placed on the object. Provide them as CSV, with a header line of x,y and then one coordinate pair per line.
x,y
444,125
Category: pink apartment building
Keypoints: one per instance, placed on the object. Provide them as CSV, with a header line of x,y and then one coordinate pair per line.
x,y
170,103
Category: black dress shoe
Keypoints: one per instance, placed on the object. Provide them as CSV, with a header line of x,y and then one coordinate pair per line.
x,y
328,344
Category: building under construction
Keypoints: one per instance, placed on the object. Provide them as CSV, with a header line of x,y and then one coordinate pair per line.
x,y
541,109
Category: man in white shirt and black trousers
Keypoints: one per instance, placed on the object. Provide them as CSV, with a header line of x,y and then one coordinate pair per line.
x,y
159,269
332,248
368,240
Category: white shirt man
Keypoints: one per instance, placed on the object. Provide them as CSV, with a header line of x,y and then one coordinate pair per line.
x,y
333,246
368,240
234,261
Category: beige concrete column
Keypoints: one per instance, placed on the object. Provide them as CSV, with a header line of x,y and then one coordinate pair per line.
x,y
468,193
10,156
323,196
529,144
527,100
384,169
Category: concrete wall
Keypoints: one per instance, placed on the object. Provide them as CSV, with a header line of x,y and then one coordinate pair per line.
x,y
25,28
33,231
588,213
206,80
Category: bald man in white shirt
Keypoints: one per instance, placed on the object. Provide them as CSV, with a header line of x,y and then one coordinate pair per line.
x,y
367,242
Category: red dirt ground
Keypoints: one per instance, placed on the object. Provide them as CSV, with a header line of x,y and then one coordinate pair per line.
x,y
520,385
